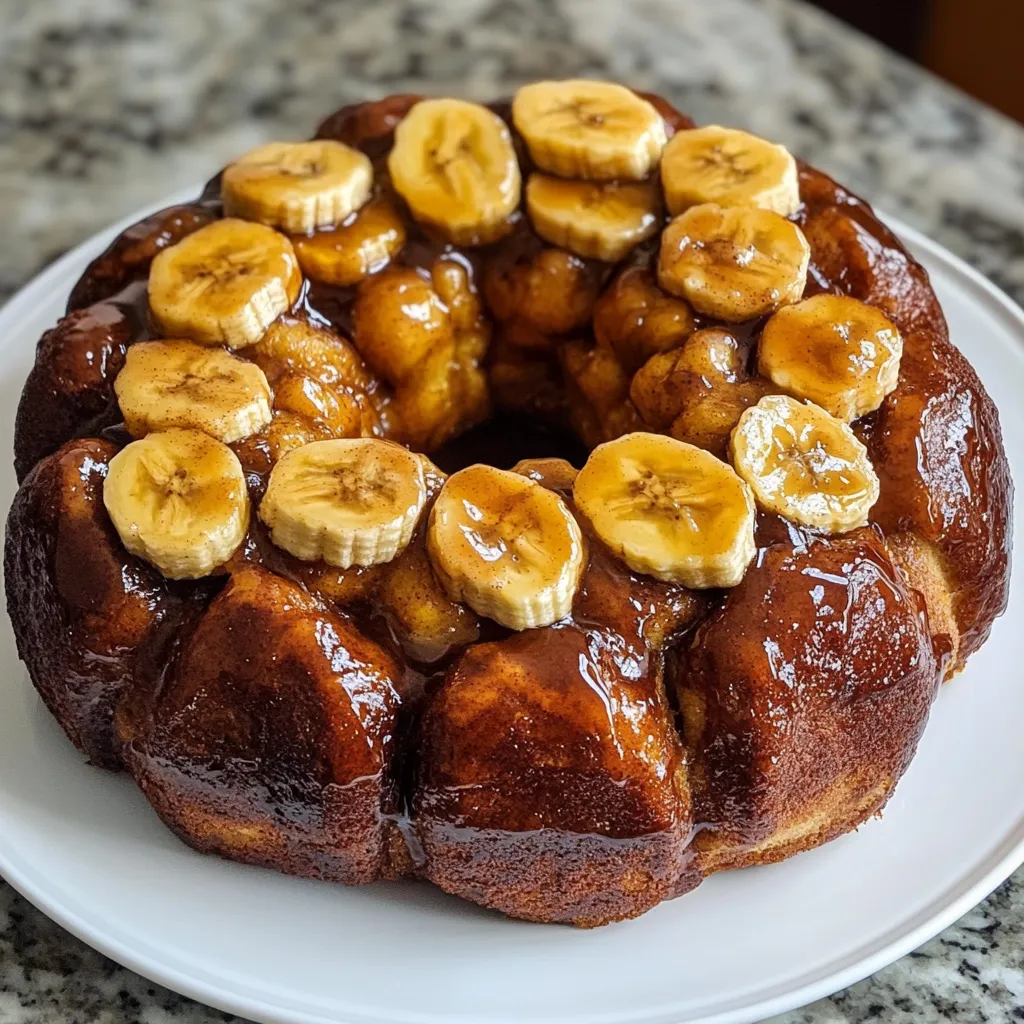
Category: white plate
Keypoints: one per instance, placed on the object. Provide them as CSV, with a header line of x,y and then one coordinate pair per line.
x,y
86,849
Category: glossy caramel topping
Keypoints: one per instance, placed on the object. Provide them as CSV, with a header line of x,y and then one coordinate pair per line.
x,y
534,292
528,290
79,602
820,638
384,728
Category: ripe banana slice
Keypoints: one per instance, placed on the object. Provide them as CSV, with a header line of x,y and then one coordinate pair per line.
x,y
804,464
595,220
167,384
346,254
178,499
297,186
508,547
350,501
454,164
669,509
584,129
734,263
224,284
833,350
728,167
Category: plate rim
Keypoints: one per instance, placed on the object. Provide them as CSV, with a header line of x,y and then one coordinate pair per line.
x,y
849,968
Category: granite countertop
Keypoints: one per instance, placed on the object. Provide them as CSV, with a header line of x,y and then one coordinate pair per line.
x,y
112,105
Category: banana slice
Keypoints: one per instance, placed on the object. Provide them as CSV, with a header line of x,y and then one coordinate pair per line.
x,y
804,464
350,501
224,284
454,164
508,547
297,186
178,499
346,254
728,167
836,351
595,220
584,129
181,384
669,509
734,263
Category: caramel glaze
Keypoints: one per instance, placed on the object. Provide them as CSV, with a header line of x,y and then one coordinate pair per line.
x,y
358,724
935,442
129,256
69,390
79,603
551,781
271,739
820,639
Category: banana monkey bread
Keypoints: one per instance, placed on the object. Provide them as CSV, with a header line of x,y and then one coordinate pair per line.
x,y
552,500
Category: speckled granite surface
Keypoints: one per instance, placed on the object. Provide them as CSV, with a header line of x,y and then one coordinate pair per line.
x,y
108,106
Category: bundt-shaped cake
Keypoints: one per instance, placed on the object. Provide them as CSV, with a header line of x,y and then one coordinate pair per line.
x,y
553,500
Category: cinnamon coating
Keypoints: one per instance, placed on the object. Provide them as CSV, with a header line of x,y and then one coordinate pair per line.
x,y
802,698
128,257
359,724
70,389
935,442
80,604
266,734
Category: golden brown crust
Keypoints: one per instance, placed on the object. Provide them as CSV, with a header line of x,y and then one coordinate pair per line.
x,y
70,389
299,719
550,782
784,691
923,565
128,257
935,442
546,757
81,606
268,736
